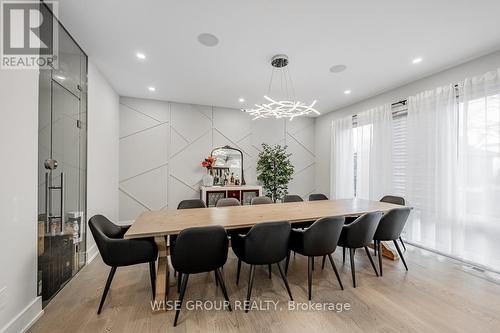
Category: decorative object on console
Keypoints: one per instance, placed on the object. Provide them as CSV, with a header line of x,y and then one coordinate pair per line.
x,y
228,166
208,178
275,170
285,105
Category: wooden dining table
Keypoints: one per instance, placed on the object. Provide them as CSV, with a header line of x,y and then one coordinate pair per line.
x,y
159,224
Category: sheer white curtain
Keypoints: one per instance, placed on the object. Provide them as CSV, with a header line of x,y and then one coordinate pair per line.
x,y
432,170
342,161
479,166
374,147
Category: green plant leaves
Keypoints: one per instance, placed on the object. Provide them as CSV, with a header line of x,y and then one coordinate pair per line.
x,y
275,170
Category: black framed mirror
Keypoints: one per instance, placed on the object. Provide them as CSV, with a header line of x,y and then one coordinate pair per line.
x,y
228,166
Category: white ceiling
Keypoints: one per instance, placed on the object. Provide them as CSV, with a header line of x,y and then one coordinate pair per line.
x,y
376,40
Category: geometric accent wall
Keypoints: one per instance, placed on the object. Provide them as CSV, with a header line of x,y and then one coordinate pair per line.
x,y
163,143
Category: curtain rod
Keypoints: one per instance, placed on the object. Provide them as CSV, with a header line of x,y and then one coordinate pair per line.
x,y
404,101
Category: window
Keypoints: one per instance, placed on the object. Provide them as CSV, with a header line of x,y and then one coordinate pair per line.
x,y
399,149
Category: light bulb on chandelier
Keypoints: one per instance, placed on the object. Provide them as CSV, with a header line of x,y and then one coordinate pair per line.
x,y
288,107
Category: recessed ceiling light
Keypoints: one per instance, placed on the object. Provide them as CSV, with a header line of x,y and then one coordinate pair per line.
x,y
151,89
140,55
60,77
417,60
208,39
338,68
347,92
241,99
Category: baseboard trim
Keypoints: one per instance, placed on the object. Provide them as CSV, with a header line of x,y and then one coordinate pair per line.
x,y
92,252
26,318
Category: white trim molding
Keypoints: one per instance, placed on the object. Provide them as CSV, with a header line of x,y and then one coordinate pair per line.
x,y
26,318
92,252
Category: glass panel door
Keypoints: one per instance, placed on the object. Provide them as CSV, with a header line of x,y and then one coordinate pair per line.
x,y
62,169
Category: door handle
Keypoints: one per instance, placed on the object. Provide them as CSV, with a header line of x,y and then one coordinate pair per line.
x,y
48,202
61,205
47,193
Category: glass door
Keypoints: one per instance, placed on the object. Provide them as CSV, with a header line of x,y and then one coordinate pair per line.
x,y
62,168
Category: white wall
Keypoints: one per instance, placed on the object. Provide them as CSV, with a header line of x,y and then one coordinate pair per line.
x,y
162,145
19,303
323,123
102,151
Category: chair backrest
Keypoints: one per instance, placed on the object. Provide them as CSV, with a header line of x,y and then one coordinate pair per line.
x,y
225,202
322,236
201,249
267,242
392,224
191,203
292,198
104,231
393,200
263,200
317,196
360,232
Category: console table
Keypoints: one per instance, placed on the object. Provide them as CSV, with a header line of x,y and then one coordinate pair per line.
x,y
244,193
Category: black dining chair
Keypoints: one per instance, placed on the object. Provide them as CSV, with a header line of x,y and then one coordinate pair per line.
x,y
389,229
292,198
198,250
227,202
359,234
317,197
262,200
191,203
265,244
118,252
186,204
397,201
320,239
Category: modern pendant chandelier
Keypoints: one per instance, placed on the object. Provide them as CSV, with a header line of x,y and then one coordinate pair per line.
x,y
286,105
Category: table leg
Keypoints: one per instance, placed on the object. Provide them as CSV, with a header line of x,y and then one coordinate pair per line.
x,y
162,275
387,251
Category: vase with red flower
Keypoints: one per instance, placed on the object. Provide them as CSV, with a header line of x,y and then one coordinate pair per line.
x,y
208,178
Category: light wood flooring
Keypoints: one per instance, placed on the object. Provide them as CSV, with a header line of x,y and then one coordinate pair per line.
x,y
435,295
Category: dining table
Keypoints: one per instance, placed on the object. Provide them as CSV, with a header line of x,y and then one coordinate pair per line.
x,y
160,224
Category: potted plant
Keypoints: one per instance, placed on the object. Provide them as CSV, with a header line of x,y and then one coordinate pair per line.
x,y
275,170
208,178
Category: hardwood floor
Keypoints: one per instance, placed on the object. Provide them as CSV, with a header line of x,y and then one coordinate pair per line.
x,y
436,295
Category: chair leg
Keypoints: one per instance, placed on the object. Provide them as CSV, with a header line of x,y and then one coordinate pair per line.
x,y
250,284
216,279
375,248
371,260
353,271
269,268
400,254
152,274
323,263
402,243
218,275
335,270
181,296
343,255
379,249
309,276
179,280
238,270
287,262
313,263
285,281
106,288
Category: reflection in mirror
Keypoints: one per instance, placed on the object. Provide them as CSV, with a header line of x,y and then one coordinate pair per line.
x,y
228,167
